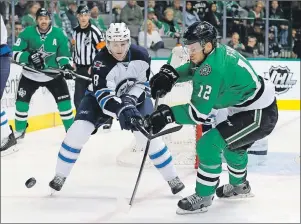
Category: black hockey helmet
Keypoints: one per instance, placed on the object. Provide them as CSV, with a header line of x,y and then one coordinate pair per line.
x,y
43,12
82,9
202,32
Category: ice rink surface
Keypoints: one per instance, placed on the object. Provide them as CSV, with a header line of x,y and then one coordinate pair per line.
x,y
98,189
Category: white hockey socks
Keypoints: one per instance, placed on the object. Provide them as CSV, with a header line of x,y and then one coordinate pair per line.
x,y
77,135
159,154
5,130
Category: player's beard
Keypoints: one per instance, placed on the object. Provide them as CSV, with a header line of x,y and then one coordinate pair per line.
x,y
44,27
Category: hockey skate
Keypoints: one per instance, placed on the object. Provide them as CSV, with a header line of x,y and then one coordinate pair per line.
x,y
176,185
232,192
8,144
194,204
57,183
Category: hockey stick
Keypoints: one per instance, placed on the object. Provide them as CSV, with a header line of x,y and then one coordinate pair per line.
x,y
167,131
52,72
144,157
80,76
159,134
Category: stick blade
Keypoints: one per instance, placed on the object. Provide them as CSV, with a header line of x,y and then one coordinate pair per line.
x,y
167,131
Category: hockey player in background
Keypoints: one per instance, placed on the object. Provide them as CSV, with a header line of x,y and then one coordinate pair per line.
x,y
119,72
40,47
7,136
221,78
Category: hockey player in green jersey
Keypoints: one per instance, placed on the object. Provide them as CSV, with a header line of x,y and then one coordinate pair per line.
x,y
40,47
221,78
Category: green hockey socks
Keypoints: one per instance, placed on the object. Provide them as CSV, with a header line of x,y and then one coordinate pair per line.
x,y
209,149
21,115
65,109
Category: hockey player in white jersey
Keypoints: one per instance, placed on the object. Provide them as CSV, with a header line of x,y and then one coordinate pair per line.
x,y
119,76
7,136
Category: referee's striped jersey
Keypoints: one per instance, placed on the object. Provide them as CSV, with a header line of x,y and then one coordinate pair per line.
x,y
87,42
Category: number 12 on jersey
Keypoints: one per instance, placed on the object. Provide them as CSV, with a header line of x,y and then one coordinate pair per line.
x,y
205,91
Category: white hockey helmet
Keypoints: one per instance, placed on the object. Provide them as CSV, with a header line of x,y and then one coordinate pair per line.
x,y
117,32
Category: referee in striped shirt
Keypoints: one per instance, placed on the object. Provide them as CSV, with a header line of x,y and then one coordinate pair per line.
x,y
87,41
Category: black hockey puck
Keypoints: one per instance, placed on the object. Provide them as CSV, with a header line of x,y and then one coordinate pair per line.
x,y
30,182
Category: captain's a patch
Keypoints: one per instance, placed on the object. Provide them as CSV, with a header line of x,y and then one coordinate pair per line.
x,y
205,70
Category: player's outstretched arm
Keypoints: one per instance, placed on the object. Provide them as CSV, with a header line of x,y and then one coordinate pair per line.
x,y
203,98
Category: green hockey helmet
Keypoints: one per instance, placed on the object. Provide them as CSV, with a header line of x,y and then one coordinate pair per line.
x,y
202,32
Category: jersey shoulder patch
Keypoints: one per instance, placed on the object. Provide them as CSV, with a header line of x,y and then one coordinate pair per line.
x,y
205,70
103,60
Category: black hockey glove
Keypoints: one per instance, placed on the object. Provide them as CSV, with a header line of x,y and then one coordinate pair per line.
x,y
66,71
36,60
128,112
163,81
160,118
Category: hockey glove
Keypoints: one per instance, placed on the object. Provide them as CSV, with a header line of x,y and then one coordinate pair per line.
x,y
160,118
163,81
66,71
128,113
36,60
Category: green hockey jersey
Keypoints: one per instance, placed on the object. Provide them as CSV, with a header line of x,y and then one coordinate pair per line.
x,y
224,80
53,47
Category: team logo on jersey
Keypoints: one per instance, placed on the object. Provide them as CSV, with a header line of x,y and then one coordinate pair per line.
x,y
125,86
87,40
98,65
22,92
44,54
282,78
205,70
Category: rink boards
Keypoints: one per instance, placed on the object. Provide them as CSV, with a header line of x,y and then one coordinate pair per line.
x,y
285,74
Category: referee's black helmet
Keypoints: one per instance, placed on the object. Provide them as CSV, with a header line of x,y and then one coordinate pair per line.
x,y
83,9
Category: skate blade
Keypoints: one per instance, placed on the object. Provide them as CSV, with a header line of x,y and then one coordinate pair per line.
x,y
186,212
52,192
9,151
105,130
248,195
